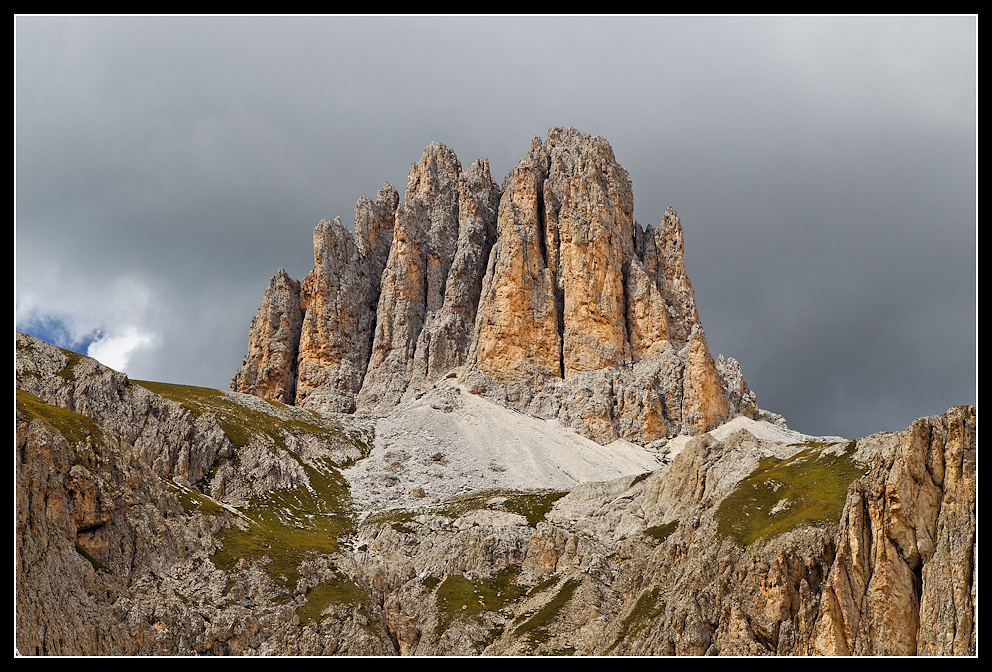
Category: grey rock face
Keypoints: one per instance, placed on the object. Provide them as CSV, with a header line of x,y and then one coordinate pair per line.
x,y
339,298
447,337
444,230
123,496
173,442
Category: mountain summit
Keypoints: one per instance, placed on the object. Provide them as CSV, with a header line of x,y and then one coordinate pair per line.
x,y
543,295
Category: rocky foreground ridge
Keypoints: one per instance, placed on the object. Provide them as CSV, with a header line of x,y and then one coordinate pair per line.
x,y
543,294
165,519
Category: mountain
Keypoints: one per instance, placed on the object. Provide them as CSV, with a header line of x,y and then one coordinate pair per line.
x,y
544,295
487,422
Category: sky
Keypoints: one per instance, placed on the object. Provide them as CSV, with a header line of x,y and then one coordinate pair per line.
x,y
824,170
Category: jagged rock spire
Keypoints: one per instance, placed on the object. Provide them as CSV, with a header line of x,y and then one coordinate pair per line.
x,y
269,368
545,295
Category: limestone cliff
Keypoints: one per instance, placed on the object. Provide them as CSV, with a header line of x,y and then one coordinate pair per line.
x,y
430,288
414,485
157,519
270,368
545,295
338,300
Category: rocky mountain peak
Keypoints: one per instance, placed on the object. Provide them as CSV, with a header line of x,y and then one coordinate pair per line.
x,y
544,295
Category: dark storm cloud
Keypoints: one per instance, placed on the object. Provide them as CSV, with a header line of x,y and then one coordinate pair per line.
x,y
824,170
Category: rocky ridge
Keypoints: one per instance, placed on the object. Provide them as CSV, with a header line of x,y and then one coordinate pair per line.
x,y
161,519
543,295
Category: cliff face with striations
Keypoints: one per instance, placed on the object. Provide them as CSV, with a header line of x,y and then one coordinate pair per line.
x,y
338,301
544,295
274,339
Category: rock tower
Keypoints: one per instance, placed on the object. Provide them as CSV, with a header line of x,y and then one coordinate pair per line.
x,y
544,295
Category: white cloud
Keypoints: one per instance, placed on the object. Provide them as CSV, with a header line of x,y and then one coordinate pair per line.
x,y
114,350
109,321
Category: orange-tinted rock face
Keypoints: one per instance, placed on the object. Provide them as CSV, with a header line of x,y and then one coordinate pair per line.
x,y
269,368
589,204
517,333
525,292
555,300
339,298
704,404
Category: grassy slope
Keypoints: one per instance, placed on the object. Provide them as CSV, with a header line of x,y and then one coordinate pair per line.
x,y
808,488
287,525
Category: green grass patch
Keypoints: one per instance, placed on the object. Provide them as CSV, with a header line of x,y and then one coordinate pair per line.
x,y
458,596
567,651
89,557
543,585
193,501
534,629
68,373
338,590
291,525
398,519
73,426
533,506
780,495
661,532
649,606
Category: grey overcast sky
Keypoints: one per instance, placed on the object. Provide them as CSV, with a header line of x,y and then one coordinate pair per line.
x,y
824,169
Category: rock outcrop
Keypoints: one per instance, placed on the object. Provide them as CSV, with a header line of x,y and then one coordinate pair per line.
x,y
338,300
270,368
380,503
442,236
544,295
907,547
555,283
